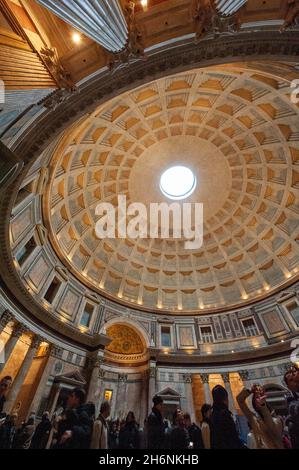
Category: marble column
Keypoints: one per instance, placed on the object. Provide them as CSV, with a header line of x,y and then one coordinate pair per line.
x,y
121,406
152,385
17,332
23,371
206,386
54,353
5,319
189,396
227,385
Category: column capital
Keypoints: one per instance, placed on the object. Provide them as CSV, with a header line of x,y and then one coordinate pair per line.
x,y
187,378
286,367
225,377
36,341
205,378
244,374
6,317
122,378
18,330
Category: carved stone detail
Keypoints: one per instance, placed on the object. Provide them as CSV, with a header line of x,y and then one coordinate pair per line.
x,y
209,22
225,378
134,47
187,378
244,375
51,59
6,318
122,378
205,378
18,330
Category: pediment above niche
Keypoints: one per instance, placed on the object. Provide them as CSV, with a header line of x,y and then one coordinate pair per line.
x,y
74,377
286,295
169,392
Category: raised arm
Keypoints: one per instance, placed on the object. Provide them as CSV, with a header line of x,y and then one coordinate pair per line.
x,y
241,399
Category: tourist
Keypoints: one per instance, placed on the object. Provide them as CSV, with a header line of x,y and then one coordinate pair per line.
x,y
206,413
113,437
155,425
129,435
223,429
8,431
75,427
42,432
100,428
24,435
194,432
5,385
267,429
179,438
292,381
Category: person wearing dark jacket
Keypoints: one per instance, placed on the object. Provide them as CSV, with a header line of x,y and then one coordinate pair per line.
x,y
292,380
75,430
8,431
194,433
5,385
155,425
179,438
129,434
223,429
113,437
42,432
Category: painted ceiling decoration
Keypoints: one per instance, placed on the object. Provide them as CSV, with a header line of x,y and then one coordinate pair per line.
x,y
101,20
238,130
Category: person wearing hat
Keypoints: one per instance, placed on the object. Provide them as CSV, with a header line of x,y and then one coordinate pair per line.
x,y
224,434
155,425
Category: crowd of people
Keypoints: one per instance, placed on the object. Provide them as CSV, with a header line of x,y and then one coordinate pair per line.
x,y
76,426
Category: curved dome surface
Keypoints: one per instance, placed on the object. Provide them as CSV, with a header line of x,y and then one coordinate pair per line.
x,y
238,131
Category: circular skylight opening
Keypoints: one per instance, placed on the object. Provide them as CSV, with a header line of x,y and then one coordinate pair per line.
x,y
178,182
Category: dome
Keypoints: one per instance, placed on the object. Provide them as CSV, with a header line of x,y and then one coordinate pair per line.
x,y
236,129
